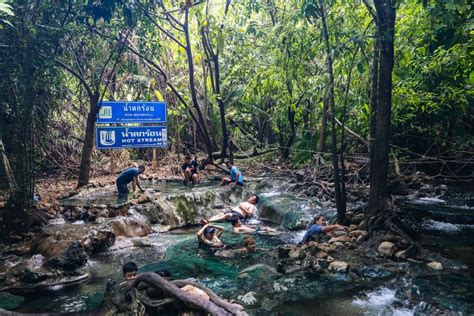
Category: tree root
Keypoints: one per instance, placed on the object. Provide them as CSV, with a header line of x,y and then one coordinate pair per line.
x,y
393,219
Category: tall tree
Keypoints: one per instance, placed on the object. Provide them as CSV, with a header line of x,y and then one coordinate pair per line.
x,y
384,15
212,55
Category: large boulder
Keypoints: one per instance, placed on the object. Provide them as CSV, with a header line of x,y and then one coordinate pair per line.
x,y
72,258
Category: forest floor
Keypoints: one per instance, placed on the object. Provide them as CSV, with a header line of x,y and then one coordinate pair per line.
x,y
54,187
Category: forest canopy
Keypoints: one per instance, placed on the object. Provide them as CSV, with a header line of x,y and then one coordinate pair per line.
x,y
238,77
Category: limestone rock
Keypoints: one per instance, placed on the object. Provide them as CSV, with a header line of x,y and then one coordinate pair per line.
x,y
387,248
249,298
338,233
129,227
321,255
339,239
296,253
74,257
358,232
328,248
435,265
339,266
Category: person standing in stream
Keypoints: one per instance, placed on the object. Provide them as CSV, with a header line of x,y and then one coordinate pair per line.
x,y
127,176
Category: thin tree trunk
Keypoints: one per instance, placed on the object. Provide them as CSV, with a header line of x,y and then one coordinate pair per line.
x,y
7,168
192,87
291,119
341,212
322,135
220,102
85,166
343,120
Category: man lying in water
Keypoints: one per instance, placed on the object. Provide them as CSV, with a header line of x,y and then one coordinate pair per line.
x,y
239,228
243,211
249,248
209,235
318,226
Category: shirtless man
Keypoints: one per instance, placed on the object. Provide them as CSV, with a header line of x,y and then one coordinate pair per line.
x,y
248,249
244,210
240,228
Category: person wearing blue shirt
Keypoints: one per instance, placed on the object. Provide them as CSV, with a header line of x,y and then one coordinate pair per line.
x,y
318,226
129,175
236,177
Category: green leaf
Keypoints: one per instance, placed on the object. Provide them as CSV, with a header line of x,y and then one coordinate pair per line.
x,y
6,9
360,68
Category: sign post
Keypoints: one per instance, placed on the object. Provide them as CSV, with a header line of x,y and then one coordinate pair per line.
x,y
131,112
126,136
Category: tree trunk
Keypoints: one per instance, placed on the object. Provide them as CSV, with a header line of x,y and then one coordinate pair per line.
x,y
85,167
341,211
322,135
378,197
373,100
192,87
225,134
291,139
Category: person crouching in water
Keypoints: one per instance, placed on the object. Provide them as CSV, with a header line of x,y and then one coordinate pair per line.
x,y
129,175
209,235
318,226
190,171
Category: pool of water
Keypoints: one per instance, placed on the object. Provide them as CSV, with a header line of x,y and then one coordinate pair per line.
x,y
296,294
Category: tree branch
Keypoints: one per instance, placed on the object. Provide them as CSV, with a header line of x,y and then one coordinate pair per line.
x,y
77,75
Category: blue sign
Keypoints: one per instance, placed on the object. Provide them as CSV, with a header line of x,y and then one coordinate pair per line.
x,y
131,137
131,112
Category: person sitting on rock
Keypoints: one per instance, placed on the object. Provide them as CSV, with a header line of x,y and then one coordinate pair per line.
x,y
318,226
249,248
127,176
190,171
209,235
130,271
236,177
243,211
239,228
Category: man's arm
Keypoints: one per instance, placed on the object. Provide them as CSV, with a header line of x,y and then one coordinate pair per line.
x,y
330,228
135,183
201,231
243,229
219,229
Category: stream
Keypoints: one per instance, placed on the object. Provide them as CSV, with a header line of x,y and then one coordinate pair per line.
x,y
447,227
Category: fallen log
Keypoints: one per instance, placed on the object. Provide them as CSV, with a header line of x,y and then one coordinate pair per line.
x,y
232,308
172,290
